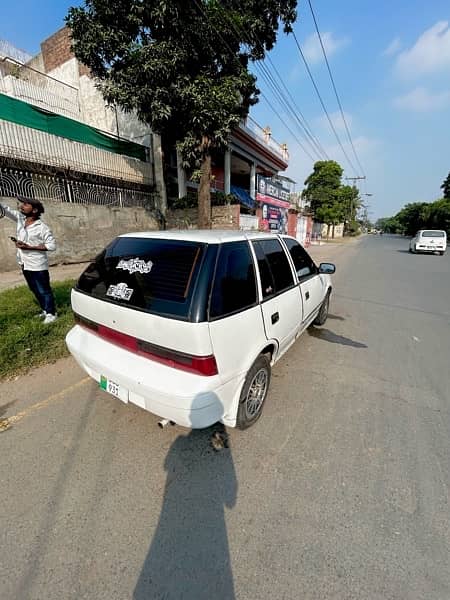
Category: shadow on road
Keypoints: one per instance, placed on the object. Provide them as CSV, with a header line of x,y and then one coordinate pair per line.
x,y
189,555
334,338
335,318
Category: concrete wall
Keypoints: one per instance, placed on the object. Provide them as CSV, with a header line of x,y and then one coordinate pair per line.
x,y
81,231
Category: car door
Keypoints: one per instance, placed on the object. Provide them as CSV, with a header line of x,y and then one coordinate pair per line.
x,y
310,281
281,304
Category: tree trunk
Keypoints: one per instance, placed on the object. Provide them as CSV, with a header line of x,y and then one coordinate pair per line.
x,y
204,194
332,232
328,231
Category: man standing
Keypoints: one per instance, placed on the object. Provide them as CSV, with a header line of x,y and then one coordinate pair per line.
x,y
34,239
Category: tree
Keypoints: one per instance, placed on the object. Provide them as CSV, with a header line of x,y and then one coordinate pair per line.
x,y
446,187
331,202
182,66
414,216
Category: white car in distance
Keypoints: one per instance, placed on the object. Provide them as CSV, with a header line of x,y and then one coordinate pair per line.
x,y
429,240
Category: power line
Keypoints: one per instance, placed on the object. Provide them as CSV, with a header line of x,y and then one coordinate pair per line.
x,y
278,94
284,103
306,124
322,103
334,87
233,55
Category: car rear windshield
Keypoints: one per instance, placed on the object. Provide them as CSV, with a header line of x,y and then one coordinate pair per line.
x,y
433,233
155,275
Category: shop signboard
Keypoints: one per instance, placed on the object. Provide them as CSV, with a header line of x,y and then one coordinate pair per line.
x,y
273,199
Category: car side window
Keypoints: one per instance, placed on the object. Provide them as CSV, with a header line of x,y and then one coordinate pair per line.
x,y
234,283
274,268
304,265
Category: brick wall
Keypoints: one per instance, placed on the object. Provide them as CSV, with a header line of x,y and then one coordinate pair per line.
x,y
223,217
56,51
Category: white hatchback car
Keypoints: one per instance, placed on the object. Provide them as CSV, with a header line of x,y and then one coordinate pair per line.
x,y
186,324
429,240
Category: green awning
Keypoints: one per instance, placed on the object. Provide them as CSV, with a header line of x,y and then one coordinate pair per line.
x,y
25,114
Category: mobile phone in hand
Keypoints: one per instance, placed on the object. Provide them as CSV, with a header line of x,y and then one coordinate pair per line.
x,y
13,239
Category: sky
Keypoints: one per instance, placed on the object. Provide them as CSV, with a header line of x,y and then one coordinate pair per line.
x,y
391,64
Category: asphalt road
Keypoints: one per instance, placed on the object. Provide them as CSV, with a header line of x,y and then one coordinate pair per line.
x,y
341,491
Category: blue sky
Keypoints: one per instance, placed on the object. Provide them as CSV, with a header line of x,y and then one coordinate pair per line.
x,y
391,65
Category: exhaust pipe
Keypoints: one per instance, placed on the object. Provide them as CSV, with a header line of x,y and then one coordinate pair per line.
x,y
164,422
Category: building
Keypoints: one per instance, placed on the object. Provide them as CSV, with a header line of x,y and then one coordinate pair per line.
x,y
58,139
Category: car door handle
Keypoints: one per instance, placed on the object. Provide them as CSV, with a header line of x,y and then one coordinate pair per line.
x,y
275,317
307,295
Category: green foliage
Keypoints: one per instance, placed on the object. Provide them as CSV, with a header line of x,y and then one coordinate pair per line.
x,y
25,341
418,215
445,187
353,228
190,201
331,202
182,66
389,225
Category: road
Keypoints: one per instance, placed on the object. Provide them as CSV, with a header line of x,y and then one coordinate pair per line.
x,y
341,491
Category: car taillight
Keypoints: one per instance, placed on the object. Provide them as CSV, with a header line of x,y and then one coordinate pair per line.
x,y
200,365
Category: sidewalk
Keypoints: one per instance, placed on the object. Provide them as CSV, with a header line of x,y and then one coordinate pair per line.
x,y
12,279
325,252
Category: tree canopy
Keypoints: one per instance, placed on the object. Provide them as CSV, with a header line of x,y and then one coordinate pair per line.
x,y
182,66
418,215
445,187
331,202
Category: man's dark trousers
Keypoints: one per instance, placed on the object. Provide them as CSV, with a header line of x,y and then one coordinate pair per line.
x,y
39,284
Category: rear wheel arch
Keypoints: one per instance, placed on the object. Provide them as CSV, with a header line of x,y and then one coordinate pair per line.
x,y
253,392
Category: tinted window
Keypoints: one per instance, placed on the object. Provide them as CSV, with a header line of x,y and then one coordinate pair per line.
x,y
234,284
433,234
304,265
277,262
152,274
267,282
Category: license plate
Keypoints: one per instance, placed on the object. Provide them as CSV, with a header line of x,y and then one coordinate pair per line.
x,y
114,389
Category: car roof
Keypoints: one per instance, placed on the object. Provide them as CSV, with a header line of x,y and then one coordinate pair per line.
x,y
207,236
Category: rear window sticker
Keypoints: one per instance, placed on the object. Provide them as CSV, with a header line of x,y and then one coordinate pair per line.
x,y
120,291
135,265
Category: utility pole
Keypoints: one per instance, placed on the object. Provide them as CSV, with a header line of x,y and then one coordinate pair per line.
x,y
353,179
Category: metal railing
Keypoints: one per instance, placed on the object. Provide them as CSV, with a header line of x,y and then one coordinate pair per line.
x,y
22,143
30,85
15,182
263,134
7,49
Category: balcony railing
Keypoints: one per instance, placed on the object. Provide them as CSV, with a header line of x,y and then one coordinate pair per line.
x,y
264,134
22,143
7,49
32,86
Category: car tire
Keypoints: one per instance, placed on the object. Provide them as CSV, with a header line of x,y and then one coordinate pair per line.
x,y
442,253
254,392
322,315
410,250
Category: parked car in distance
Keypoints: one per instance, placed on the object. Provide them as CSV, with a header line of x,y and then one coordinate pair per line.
x,y
187,324
429,240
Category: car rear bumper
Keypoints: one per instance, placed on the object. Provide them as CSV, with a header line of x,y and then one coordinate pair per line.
x,y
186,399
430,248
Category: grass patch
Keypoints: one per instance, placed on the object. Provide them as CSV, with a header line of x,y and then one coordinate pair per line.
x,y
25,342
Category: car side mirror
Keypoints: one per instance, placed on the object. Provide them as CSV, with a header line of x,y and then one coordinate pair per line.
x,y
327,268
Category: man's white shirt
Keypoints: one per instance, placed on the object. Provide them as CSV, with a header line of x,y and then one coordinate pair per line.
x,y
35,234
